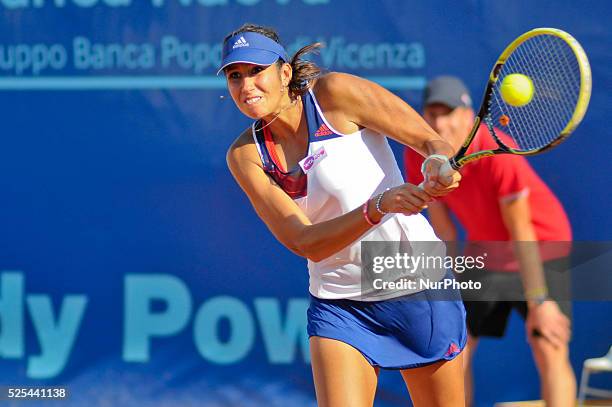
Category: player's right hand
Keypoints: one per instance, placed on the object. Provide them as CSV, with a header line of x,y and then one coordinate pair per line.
x,y
438,181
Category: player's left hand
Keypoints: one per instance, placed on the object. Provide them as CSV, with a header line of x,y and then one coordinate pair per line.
x,y
546,321
438,183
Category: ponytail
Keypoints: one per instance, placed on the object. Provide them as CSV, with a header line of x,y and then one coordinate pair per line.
x,y
304,71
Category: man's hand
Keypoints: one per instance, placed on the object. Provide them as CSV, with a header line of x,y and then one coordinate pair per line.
x,y
546,321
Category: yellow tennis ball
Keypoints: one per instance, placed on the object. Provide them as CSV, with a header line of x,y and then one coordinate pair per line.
x,y
517,89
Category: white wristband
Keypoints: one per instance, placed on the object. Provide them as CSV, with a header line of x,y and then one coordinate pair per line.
x,y
440,157
445,168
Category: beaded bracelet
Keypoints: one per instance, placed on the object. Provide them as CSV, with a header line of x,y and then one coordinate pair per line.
x,y
379,201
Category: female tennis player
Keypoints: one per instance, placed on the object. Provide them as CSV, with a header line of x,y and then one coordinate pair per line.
x,y
318,170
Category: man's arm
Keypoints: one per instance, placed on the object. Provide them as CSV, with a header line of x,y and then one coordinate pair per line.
x,y
517,218
440,219
443,225
544,317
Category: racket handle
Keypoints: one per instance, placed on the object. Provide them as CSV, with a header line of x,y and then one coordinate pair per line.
x,y
445,168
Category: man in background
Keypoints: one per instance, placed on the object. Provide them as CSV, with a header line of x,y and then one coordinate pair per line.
x,y
501,199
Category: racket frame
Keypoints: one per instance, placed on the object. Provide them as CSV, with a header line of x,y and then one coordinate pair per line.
x,y
584,94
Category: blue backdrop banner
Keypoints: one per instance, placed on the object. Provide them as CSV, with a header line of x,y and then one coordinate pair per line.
x,y
133,270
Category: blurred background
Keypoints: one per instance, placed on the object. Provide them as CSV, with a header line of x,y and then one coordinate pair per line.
x,y
132,268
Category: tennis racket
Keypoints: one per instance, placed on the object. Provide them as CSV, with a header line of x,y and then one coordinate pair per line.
x,y
560,75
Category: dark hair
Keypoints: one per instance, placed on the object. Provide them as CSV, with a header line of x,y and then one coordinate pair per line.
x,y
304,71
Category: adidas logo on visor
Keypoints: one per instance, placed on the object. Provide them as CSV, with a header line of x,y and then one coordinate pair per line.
x,y
240,43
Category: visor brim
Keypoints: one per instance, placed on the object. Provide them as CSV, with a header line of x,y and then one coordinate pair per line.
x,y
249,56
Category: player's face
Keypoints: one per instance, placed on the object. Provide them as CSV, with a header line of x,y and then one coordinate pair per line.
x,y
255,89
451,124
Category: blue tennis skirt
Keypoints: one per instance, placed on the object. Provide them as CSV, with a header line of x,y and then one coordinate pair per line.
x,y
401,333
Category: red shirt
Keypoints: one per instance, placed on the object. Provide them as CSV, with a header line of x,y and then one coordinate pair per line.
x,y
488,182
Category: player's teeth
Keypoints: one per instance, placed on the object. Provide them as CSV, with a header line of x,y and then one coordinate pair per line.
x,y
253,100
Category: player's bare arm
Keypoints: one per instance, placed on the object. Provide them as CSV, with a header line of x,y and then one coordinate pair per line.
x,y
353,103
286,220
366,104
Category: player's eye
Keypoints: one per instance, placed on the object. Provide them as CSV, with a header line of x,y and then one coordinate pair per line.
x,y
233,75
256,69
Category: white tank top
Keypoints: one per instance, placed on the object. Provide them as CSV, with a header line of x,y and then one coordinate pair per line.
x,y
343,171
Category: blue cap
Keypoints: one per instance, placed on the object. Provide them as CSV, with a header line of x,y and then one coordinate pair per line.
x,y
251,48
447,90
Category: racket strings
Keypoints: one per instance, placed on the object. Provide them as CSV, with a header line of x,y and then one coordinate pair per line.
x,y
524,58
552,66
546,76
553,91
549,76
571,83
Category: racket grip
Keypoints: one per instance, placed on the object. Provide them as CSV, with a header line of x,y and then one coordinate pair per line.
x,y
445,168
